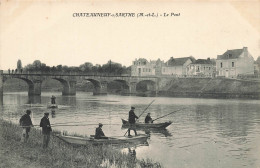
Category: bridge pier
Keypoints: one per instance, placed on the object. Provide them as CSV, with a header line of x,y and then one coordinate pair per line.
x,y
69,88
101,89
1,83
35,88
132,88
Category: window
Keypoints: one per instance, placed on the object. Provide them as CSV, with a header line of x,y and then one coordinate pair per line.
x,y
233,64
221,65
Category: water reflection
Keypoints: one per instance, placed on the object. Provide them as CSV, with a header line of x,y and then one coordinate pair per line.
x,y
53,115
163,132
1,101
132,152
34,100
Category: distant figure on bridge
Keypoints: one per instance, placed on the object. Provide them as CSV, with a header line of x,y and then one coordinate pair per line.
x,y
21,71
12,71
9,71
53,99
148,119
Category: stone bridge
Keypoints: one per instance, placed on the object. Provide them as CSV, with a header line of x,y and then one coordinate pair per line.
x,y
68,81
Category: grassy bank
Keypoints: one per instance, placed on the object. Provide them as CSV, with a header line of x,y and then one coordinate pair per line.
x,y
212,88
60,154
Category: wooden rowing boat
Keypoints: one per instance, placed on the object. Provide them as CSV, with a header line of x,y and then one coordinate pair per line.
x,y
140,139
148,125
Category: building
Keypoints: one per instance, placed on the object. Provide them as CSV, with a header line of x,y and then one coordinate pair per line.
x,y
141,67
235,62
201,68
177,66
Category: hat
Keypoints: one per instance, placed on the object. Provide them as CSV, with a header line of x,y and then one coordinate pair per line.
x,y
100,124
132,107
46,113
28,111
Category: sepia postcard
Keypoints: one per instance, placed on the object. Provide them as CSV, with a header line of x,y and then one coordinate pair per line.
x,y
172,84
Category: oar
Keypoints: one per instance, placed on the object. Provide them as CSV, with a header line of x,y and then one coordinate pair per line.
x,y
146,109
168,114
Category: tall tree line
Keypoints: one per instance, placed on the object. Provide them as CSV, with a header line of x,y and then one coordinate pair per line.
x,y
110,68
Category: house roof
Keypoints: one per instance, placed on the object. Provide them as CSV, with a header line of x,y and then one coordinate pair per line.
x,y
231,54
202,61
177,61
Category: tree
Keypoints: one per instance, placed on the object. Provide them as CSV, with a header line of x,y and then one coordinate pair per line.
x,y
19,65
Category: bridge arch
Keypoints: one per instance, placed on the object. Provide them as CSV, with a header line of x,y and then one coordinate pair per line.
x,y
69,87
33,86
118,86
100,87
146,88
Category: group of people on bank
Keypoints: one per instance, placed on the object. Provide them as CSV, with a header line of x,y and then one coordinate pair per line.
x,y
26,124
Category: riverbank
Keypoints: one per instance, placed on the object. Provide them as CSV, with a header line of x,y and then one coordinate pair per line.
x,y
210,88
59,154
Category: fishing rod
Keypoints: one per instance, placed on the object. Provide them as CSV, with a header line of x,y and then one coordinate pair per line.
x,y
57,125
142,112
169,114
146,109
70,122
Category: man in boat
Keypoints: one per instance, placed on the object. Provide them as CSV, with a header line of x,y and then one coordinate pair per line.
x,y
131,120
148,119
26,123
99,132
53,99
46,129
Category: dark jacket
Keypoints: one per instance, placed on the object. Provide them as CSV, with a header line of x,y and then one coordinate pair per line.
x,y
132,117
46,126
99,133
148,119
25,120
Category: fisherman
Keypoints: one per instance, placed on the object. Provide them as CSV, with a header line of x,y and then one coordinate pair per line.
x,y
131,120
46,129
99,132
53,99
26,123
148,119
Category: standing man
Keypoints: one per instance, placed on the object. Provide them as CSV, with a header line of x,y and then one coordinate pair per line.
x,y
148,119
131,120
53,99
99,132
46,130
26,123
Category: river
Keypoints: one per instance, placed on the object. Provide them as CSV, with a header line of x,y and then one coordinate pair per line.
x,y
208,133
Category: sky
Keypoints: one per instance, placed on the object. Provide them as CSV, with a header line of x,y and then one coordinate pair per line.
x,y
47,31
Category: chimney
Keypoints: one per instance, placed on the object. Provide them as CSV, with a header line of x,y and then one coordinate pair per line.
x,y
245,49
